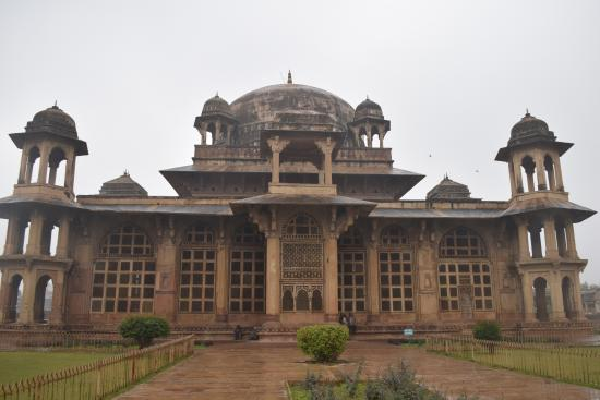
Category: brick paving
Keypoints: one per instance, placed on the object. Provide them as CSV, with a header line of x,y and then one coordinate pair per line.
x,y
258,371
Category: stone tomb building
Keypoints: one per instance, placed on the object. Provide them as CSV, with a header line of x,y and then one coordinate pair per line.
x,y
290,214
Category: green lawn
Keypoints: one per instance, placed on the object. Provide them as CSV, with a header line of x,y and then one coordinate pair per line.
x,y
15,365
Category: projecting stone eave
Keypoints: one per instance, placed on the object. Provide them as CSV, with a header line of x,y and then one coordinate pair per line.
x,y
504,153
20,138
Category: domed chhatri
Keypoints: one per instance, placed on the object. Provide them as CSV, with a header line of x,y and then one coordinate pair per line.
x,y
530,129
368,109
52,120
449,190
123,186
216,106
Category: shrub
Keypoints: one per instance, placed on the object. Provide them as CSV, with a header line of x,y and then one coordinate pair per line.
x,y
324,343
144,329
487,330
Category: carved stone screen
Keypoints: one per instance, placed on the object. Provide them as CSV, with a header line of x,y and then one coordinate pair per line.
x,y
302,260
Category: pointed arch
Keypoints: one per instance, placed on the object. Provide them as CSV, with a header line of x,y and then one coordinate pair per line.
x,y
42,306
462,242
393,235
302,301
302,226
316,301
288,301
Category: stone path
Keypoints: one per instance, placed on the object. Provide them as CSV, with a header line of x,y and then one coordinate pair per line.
x,y
257,371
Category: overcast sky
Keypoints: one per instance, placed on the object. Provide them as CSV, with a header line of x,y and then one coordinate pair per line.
x,y
452,76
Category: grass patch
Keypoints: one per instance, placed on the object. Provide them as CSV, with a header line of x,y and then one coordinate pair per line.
x,y
16,365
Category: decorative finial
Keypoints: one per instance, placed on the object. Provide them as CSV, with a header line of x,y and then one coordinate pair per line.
x,y
56,103
368,97
125,173
527,112
289,81
217,95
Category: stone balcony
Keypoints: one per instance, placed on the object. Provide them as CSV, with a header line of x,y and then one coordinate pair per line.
x,y
303,189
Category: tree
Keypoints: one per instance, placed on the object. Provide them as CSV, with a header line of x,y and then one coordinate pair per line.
x,y
144,329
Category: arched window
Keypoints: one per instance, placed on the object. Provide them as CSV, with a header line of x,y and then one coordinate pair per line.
x,y
317,301
126,241
302,303
15,298
56,166
462,242
542,300
465,268
288,301
42,305
302,226
125,273
393,236
31,173
199,234
247,271
197,273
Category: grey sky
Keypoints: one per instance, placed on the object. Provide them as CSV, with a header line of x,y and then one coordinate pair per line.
x,y
453,76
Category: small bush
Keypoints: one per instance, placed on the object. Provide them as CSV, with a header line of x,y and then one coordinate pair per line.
x,y
487,330
144,329
324,343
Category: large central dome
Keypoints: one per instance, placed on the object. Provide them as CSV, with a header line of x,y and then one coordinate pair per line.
x,y
292,104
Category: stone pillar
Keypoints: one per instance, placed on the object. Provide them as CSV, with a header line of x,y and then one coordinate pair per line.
x,y
518,176
560,187
536,242
370,138
556,296
222,280
23,169
579,314
28,297
52,175
541,176
373,293
327,150
70,171
15,225
58,290
43,172
511,175
4,298
561,240
527,298
551,177
530,184
272,276
29,172
203,133
570,233
62,247
167,268
524,254
331,284
550,238
34,243
381,137
229,131
277,146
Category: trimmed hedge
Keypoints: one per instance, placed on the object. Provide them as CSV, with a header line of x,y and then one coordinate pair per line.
x,y
487,330
324,343
144,329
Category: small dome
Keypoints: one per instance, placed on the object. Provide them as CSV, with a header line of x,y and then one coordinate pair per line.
x,y
368,109
216,106
530,129
449,190
123,186
52,120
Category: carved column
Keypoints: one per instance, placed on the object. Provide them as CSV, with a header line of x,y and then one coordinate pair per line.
x,y
222,278
518,177
15,225
331,272
558,175
43,172
28,298
203,133
34,242
272,275
381,137
373,275
524,254
53,164
327,150
58,296
556,296
167,267
23,169
62,247
70,171
277,146
570,233
527,297
550,238
541,176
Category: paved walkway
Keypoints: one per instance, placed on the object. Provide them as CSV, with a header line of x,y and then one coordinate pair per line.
x,y
257,371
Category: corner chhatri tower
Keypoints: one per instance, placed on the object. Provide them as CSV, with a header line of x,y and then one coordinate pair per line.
x,y
288,215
